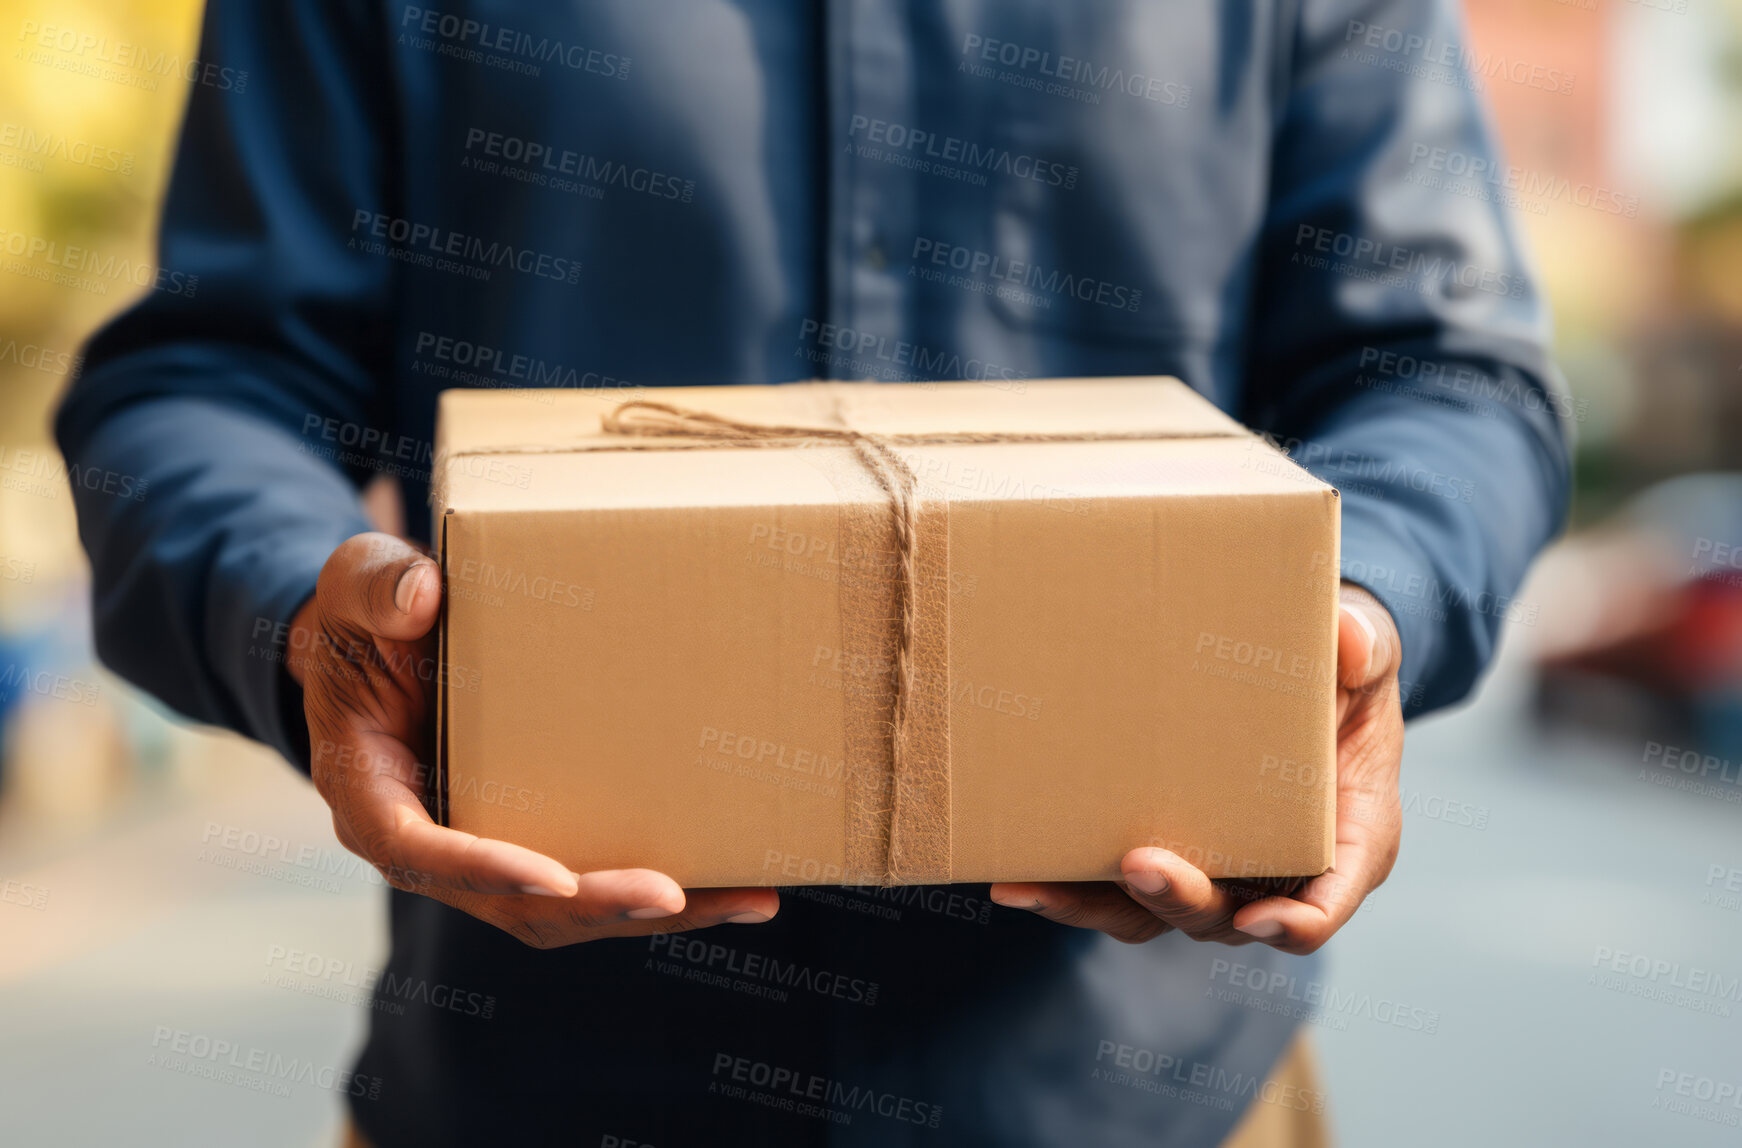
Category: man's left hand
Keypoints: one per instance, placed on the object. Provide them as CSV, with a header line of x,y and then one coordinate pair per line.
x,y
1161,891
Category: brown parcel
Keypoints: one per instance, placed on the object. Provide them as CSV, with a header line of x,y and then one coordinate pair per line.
x,y
681,659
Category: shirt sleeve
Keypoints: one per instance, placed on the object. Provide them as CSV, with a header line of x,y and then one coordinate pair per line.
x,y
213,516
1399,346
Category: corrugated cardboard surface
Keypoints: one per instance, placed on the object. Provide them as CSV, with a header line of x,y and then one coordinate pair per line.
x,y
654,668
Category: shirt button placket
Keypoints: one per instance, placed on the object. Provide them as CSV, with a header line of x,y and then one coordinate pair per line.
x,y
870,200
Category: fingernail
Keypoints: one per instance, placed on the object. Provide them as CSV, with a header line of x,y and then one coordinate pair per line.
x,y
542,891
1264,930
410,583
647,914
1366,624
1014,900
1150,881
750,918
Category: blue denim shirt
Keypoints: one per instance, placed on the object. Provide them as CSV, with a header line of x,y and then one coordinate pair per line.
x,y
374,201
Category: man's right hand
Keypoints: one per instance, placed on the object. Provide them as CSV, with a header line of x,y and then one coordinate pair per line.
x,y
364,650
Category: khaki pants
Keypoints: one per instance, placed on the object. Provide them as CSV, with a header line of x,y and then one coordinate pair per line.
x,y
1294,1086
1289,1120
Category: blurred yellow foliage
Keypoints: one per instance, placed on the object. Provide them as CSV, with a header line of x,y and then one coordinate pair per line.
x,y
83,160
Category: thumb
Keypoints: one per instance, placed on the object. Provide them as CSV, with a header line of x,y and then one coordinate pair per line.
x,y
380,585
1368,648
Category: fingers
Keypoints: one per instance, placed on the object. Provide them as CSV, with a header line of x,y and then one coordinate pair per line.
x,y
544,923
1161,891
457,860
378,584
703,909
1181,894
1304,922
1099,905
377,812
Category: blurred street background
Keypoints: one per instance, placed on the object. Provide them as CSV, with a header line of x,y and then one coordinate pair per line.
x,y
1569,899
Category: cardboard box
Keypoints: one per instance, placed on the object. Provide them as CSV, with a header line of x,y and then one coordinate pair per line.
x,y
681,654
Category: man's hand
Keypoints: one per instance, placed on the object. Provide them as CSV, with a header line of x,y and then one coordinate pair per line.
x,y
1161,891
364,650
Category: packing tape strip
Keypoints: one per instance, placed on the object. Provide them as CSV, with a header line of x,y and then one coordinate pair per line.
x,y
898,828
